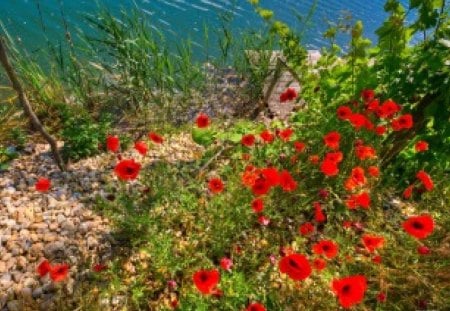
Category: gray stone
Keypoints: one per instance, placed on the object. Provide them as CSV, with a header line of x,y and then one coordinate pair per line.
x,y
14,305
37,292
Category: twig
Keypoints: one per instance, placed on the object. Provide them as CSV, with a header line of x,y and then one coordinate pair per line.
x,y
212,159
26,104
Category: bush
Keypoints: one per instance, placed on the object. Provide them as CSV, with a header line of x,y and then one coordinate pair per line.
x,y
83,137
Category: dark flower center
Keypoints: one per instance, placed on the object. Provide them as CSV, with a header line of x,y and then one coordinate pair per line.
x,y
346,289
326,248
293,264
129,170
204,277
417,225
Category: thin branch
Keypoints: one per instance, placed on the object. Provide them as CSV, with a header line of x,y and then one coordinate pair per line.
x,y
26,104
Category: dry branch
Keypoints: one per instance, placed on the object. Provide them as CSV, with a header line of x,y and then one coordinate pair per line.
x,y
26,104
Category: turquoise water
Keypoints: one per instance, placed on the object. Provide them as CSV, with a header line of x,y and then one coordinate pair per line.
x,y
179,18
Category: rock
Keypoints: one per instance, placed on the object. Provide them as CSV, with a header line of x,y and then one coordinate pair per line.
x,y
6,280
53,226
48,237
37,249
29,282
60,219
48,303
14,305
2,267
68,226
54,250
37,292
17,276
27,294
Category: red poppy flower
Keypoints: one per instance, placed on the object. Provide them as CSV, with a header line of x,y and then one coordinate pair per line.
x,y
319,264
260,187
127,169
174,303
271,175
423,250
358,176
43,268
249,177
419,226
215,185
327,248
226,263
373,105
112,143
402,122
344,112
363,200
377,259
287,182
99,267
319,215
296,266
267,136
258,205
141,147
421,146
365,152
335,157
256,306
202,120
358,120
206,280
43,184
323,193
314,159
359,200
306,228
381,297
59,272
426,180
248,140
347,224
299,146
288,95
156,138
263,220
331,140
350,290
372,242
367,94
373,171
286,134
388,109
408,192
380,130
329,168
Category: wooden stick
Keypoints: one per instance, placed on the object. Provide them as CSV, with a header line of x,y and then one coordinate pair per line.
x,y
26,104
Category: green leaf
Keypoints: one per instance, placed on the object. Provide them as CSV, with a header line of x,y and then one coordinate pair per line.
x,y
204,137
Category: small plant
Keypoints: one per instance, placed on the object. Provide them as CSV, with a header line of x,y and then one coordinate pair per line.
x,y
83,137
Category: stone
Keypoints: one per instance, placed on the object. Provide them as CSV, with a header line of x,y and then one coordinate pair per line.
x,y
68,226
27,294
54,250
29,282
14,305
37,292
17,276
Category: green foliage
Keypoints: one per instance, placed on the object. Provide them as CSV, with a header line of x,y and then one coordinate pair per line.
x,y
83,136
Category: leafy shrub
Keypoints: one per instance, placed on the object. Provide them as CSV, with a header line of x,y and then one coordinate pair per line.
x,y
83,136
